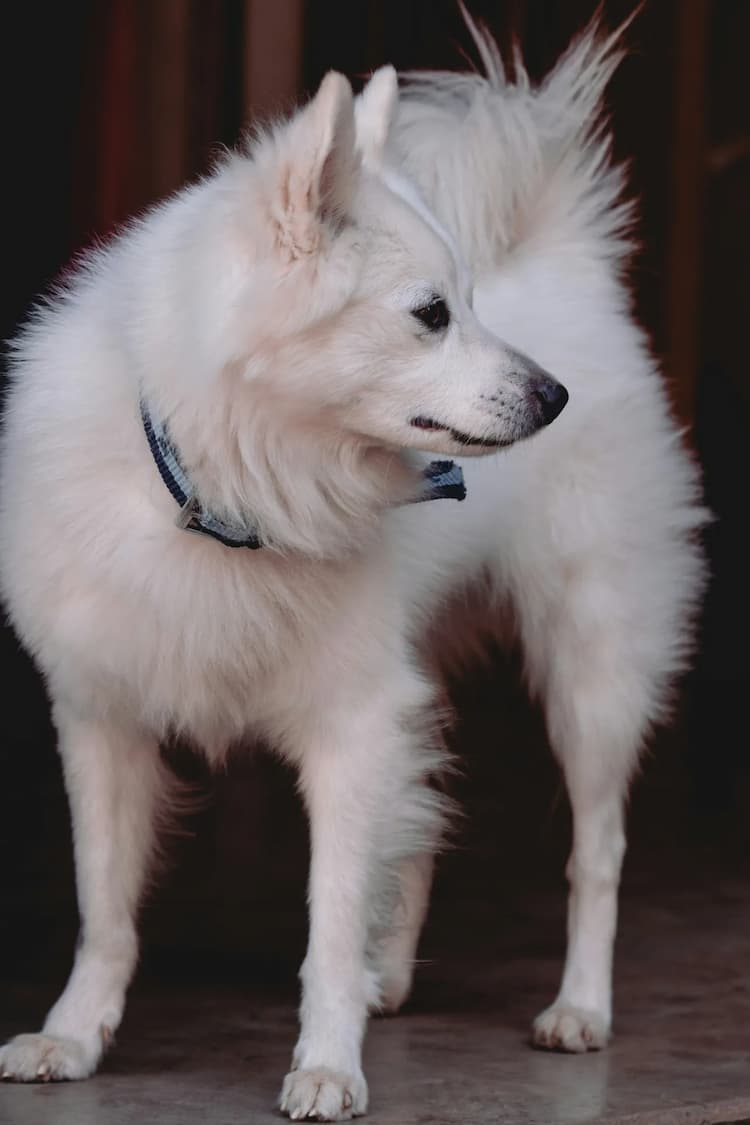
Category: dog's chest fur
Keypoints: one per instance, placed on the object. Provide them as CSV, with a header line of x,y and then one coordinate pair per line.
x,y
217,643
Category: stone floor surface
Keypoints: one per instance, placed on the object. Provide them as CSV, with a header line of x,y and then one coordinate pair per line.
x,y
214,1052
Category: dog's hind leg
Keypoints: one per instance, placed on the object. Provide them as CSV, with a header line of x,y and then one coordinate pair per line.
x,y
396,949
114,779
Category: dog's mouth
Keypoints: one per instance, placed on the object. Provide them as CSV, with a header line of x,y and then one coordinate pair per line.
x,y
423,423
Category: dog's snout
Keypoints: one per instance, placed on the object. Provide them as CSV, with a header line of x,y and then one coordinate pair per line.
x,y
551,396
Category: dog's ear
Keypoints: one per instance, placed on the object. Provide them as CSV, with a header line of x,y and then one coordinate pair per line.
x,y
374,110
319,169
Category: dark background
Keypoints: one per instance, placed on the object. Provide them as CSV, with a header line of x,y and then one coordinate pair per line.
x,y
109,105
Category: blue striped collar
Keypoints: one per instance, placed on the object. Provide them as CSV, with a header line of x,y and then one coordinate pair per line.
x,y
440,480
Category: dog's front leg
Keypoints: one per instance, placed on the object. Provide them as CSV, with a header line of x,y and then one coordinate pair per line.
x,y
352,771
595,726
116,786
340,784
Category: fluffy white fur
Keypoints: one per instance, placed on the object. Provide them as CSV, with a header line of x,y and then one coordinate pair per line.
x,y
266,315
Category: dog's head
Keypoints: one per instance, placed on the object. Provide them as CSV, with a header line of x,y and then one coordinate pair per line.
x,y
356,315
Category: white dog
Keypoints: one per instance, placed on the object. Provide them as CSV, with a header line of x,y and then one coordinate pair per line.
x,y
256,362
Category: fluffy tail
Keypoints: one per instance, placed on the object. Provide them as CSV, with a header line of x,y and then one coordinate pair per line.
x,y
502,162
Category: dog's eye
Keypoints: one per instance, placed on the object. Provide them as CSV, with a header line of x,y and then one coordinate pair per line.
x,y
434,315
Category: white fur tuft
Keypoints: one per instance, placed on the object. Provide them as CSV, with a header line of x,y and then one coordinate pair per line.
x,y
532,161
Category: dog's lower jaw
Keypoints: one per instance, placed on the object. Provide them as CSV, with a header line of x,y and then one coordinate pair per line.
x,y
478,443
460,438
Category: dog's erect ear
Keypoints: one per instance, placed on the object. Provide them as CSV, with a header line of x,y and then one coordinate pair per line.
x,y
374,109
319,168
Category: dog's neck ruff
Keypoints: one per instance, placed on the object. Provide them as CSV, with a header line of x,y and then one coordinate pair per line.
x,y
440,480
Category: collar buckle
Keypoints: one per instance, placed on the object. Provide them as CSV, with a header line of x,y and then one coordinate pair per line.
x,y
187,514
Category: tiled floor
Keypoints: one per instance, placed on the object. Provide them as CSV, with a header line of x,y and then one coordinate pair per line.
x,y
214,1054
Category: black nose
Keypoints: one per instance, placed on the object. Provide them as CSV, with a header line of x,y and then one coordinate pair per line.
x,y
551,396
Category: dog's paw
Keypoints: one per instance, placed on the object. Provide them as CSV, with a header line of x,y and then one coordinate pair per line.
x,y
323,1095
564,1028
45,1058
